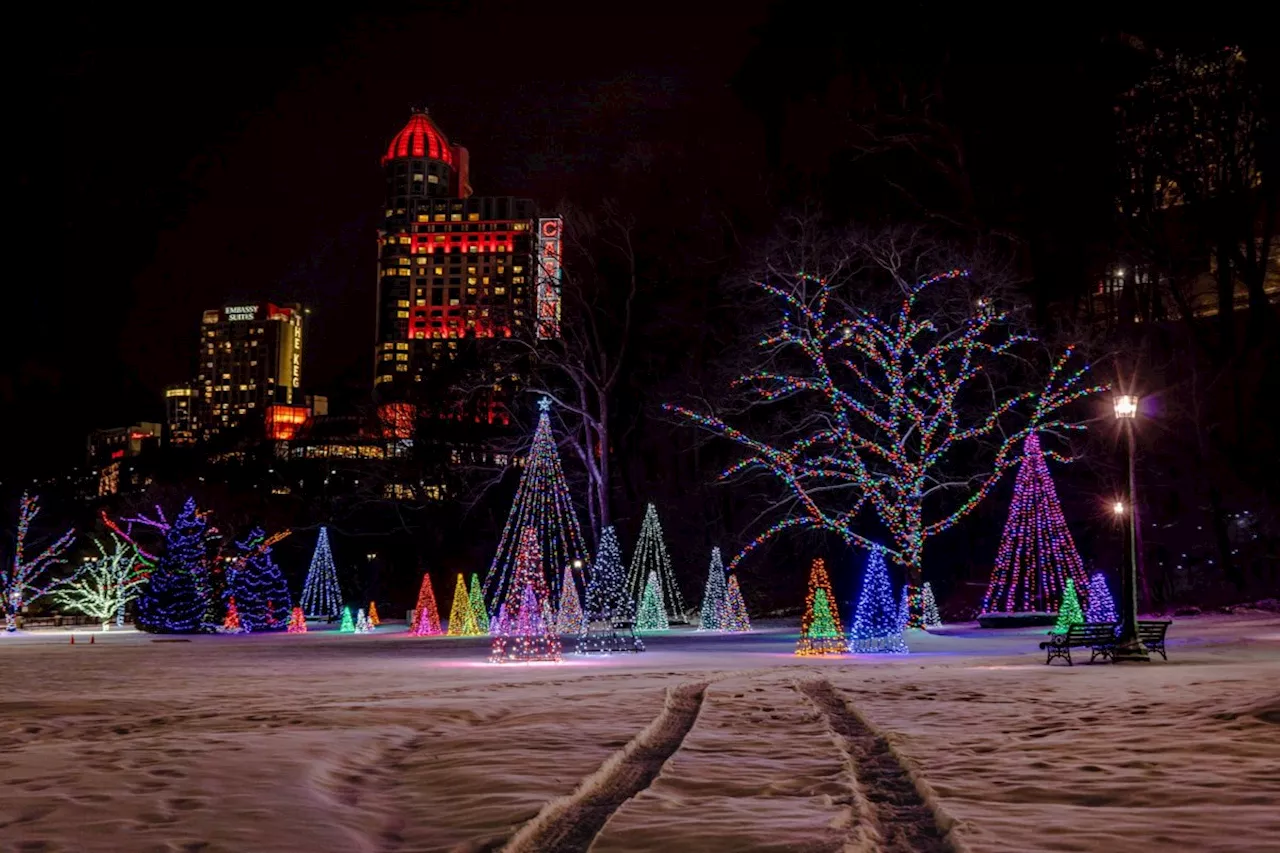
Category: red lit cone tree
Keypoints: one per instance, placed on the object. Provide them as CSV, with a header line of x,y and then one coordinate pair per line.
x,y
525,635
426,616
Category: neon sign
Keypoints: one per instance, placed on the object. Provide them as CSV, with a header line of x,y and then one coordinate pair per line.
x,y
549,253
235,313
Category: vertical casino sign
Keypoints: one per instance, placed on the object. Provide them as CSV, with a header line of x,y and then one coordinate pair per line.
x,y
549,255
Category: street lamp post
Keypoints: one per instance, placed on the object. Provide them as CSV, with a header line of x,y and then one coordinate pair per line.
x,y
1128,645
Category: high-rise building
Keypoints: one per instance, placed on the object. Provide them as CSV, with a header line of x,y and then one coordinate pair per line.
x,y
181,413
457,274
250,361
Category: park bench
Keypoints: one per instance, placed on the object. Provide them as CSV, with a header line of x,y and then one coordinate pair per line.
x,y
1099,637
1152,636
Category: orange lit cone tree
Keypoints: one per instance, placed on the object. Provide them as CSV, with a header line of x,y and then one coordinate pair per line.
x,y
462,617
820,631
373,614
231,625
525,634
297,622
426,617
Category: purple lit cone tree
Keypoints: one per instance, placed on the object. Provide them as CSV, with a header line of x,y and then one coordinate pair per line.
x,y
523,633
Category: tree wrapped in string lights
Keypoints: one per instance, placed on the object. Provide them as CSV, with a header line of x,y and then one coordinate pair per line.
x,y
569,616
1101,606
320,594
542,503
24,580
426,616
651,558
231,623
462,619
877,623
1037,555
477,605
108,582
525,635
1069,612
652,615
258,585
348,625
820,630
297,622
178,598
900,390
736,619
610,610
363,625
713,596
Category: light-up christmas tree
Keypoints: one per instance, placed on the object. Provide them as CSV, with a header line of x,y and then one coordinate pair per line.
x,y
610,610
929,607
178,594
348,625
1037,555
820,630
652,615
426,616
1069,612
363,625
373,614
877,623
297,622
524,632
569,616
904,610
320,595
713,596
258,585
231,624
477,605
462,619
542,503
1101,606
735,608
651,557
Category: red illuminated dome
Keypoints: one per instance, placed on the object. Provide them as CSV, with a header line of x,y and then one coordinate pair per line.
x,y
420,138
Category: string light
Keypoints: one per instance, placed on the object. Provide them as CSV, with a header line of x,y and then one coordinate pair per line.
x,y
652,615
932,618
231,624
542,502
477,605
736,619
20,584
610,610
1037,554
373,614
177,597
820,630
363,625
569,616
1101,607
713,596
877,623
258,585
462,619
107,584
320,594
297,622
524,633
891,395
651,557
1069,612
348,626
426,616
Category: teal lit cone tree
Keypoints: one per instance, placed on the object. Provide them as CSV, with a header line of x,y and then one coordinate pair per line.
x,y
651,558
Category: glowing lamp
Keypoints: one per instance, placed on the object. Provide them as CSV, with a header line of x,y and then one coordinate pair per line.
x,y
1118,508
1126,406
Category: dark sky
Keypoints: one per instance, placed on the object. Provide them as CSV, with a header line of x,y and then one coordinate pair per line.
x,y
164,167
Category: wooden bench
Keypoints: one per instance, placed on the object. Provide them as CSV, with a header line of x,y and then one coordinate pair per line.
x,y
1099,637
1152,636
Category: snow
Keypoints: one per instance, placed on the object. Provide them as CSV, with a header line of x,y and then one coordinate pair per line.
x,y
385,742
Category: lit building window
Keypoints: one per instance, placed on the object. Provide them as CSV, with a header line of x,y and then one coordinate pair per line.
x,y
402,315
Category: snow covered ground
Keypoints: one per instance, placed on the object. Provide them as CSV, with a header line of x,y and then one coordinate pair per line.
x,y
384,742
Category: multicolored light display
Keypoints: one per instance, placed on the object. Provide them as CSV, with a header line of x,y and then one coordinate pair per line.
x,y
525,635
820,630
258,585
1101,606
320,594
231,624
652,615
177,597
1069,612
108,582
1037,555
877,623
893,398
542,504
713,596
651,558
610,610
297,622
462,619
426,616
736,619
22,583
569,616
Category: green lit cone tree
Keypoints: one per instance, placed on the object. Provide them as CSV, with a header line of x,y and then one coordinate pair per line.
x,y
652,614
1069,612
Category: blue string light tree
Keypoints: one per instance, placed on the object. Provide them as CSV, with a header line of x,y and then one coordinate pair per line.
x,y
878,622
891,389
1037,555
1101,606
610,610
178,596
714,596
524,633
651,557
321,597
542,503
23,581
258,586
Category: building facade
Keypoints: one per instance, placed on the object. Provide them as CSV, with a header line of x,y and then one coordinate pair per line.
x,y
457,274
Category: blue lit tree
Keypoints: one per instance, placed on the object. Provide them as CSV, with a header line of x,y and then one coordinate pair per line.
x,y
877,623
258,586
714,596
542,503
177,597
320,593
1101,606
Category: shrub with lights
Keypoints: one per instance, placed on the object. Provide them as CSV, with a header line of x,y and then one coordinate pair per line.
x,y
877,622
525,635
820,630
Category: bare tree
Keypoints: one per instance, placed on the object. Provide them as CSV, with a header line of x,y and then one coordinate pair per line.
x,y
25,580
893,382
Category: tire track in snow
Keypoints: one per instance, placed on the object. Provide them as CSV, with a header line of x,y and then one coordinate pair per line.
x,y
900,814
570,824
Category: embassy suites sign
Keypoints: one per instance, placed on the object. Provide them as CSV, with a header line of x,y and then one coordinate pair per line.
x,y
234,313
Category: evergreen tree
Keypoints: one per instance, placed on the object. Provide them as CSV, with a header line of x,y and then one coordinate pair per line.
x,y
1101,607
462,619
735,609
177,597
569,616
477,605
713,596
820,630
259,586
653,614
1069,612
651,557
524,634
877,623
426,616
320,594
348,624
